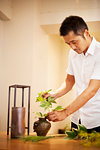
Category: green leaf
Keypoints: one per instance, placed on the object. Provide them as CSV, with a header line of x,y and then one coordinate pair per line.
x,y
42,105
36,138
47,91
68,138
82,128
58,108
38,114
75,131
39,99
45,115
71,134
51,99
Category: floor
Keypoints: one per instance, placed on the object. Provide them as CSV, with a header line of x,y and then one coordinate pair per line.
x,y
58,143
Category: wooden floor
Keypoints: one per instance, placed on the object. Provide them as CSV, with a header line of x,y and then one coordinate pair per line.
x,y
58,143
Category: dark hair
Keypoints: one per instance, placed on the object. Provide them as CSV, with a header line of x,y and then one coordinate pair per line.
x,y
73,23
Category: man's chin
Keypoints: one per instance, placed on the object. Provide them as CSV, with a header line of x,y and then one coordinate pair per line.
x,y
79,52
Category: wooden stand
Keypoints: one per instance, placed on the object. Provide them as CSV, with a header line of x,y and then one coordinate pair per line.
x,y
15,88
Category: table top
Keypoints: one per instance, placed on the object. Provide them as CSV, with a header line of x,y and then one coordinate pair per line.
x,y
57,143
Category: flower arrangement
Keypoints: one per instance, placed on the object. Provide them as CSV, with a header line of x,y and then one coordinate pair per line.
x,y
46,104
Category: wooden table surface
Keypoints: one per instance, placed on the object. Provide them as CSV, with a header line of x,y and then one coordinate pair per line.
x,y
58,143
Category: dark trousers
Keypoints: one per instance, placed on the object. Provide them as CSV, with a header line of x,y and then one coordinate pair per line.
x,y
73,125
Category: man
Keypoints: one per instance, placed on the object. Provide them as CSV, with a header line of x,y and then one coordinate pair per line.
x,y
84,71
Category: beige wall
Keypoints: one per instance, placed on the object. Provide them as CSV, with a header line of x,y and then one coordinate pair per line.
x,y
1,71
26,56
57,10
31,56
23,59
5,9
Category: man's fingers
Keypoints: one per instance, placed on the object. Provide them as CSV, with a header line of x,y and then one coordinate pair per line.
x,y
56,116
51,113
45,95
51,118
55,120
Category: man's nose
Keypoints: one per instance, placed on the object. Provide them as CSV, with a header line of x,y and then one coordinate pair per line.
x,y
73,46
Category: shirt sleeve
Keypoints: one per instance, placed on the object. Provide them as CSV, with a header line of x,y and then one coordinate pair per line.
x,y
70,68
96,71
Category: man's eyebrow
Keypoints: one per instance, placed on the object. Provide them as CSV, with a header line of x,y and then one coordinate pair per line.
x,y
71,41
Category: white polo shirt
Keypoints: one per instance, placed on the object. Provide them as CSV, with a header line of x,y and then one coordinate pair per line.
x,y
84,68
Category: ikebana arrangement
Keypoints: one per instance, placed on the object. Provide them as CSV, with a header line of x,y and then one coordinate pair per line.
x,y
42,126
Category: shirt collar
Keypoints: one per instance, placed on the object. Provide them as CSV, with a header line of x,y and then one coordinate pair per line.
x,y
91,47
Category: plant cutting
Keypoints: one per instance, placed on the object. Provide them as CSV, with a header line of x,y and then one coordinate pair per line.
x,y
39,138
42,126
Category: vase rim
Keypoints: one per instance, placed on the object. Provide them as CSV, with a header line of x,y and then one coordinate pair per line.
x,y
41,118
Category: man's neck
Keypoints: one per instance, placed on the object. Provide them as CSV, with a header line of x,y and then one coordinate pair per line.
x,y
89,42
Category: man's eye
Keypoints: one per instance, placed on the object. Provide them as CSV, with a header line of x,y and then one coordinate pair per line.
x,y
74,42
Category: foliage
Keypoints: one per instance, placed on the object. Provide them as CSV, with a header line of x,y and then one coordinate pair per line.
x,y
40,115
88,139
46,104
38,138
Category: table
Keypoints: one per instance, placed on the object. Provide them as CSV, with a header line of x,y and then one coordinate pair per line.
x,y
58,143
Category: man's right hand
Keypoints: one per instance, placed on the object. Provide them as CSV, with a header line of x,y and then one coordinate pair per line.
x,y
46,95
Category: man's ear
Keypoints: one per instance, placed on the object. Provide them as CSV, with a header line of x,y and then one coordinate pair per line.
x,y
86,33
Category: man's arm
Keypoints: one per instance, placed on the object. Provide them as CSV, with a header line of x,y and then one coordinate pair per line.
x,y
84,97
65,88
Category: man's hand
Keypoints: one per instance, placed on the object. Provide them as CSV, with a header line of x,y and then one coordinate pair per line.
x,y
46,95
56,115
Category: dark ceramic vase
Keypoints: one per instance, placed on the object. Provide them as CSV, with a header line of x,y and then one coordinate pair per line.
x,y
41,127
18,122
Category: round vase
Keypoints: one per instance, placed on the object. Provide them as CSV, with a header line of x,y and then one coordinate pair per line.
x,y
41,127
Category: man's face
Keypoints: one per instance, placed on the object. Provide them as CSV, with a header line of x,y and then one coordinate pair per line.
x,y
77,42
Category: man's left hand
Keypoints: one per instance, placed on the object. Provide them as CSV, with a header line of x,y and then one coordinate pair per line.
x,y
57,115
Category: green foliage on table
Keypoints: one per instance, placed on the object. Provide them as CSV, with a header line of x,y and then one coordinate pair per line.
x,y
75,132
38,138
88,139
46,104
